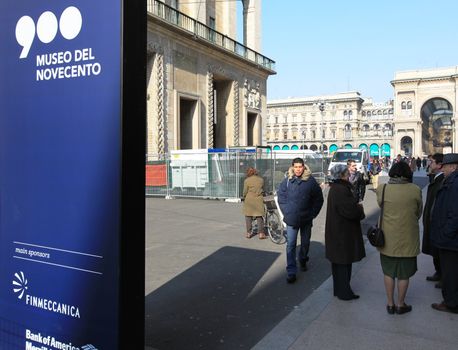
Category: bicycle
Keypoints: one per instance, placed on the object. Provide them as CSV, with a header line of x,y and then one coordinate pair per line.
x,y
273,223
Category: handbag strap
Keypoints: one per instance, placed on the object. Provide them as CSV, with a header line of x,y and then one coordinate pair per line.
x,y
381,207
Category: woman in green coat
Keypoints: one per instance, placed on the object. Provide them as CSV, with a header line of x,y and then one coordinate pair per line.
x,y
402,207
253,205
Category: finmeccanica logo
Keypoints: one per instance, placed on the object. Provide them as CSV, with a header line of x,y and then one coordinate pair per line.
x,y
20,286
69,25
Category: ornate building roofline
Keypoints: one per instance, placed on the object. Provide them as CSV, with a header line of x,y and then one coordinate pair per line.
x,y
429,74
181,23
419,80
341,97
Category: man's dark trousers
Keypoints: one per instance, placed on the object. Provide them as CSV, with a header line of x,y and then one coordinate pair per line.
x,y
449,265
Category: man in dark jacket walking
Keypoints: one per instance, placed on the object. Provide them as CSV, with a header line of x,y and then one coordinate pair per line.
x,y
436,183
356,180
444,233
300,199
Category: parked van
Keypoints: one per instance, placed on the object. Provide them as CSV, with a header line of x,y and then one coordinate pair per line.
x,y
360,156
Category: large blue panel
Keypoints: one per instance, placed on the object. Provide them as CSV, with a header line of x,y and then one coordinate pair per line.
x,y
60,142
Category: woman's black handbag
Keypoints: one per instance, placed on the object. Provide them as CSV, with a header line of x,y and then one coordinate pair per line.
x,y
376,236
375,233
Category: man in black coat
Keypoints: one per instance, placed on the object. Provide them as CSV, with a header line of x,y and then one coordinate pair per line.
x,y
356,180
444,233
433,188
300,199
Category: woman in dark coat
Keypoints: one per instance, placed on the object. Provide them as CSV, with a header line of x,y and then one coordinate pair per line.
x,y
343,236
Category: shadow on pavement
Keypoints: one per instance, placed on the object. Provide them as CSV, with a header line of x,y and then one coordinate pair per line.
x,y
227,300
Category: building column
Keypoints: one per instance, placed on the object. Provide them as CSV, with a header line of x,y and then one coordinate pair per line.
x,y
161,144
236,140
417,142
210,110
252,24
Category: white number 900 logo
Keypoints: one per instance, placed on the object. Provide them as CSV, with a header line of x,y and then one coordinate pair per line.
x,y
70,24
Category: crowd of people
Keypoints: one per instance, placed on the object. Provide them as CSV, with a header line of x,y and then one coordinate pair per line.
x,y
300,199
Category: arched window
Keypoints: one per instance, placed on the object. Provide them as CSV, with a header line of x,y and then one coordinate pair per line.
x,y
285,135
391,111
368,113
363,113
347,131
385,112
313,134
377,127
379,112
350,113
403,105
345,113
387,130
409,105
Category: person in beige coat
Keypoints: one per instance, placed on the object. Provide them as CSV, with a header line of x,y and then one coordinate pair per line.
x,y
401,212
253,205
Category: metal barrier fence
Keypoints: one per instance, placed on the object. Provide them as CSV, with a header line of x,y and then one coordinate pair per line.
x,y
220,175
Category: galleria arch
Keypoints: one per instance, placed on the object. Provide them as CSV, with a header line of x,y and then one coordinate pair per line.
x,y
424,106
437,132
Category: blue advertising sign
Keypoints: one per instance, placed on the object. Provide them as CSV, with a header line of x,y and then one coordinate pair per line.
x,y
374,150
386,150
60,173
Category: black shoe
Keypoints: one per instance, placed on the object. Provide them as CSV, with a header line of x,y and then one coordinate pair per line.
x,y
390,309
351,297
445,308
438,285
291,279
303,265
403,309
434,278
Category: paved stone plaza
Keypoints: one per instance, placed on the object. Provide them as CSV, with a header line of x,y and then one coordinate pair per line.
x,y
208,287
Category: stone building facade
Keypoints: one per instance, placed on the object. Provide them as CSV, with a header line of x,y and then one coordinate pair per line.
x,y
205,89
420,120
425,104
329,122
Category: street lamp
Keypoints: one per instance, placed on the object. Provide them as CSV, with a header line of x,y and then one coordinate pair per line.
x,y
322,107
303,138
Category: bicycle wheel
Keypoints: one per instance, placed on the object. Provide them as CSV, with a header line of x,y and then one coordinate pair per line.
x,y
275,228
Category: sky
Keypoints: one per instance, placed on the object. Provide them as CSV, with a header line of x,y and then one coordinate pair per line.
x,y
329,46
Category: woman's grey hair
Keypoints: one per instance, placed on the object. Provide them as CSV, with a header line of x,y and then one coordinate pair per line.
x,y
337,171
